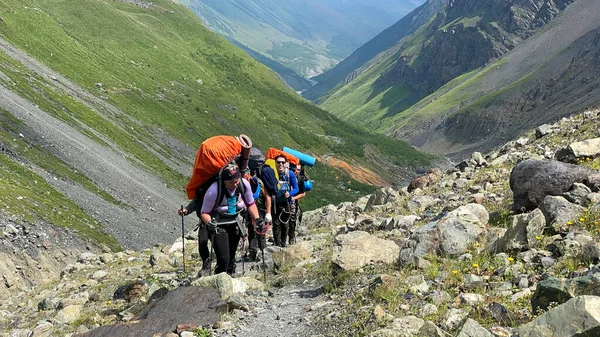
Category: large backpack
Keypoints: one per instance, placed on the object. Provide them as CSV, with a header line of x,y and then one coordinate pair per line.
x,y
214,154
284,184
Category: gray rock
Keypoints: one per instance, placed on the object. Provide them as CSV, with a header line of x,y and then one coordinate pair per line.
x,y
532,180
547,262
542,131
455,317
473,329
43,329
558,212
553,290
577,194
428,310
429,329
522,233
221,282
589,148
68,314
477,157
579,316
358,249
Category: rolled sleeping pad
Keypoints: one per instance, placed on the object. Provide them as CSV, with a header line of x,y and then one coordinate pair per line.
x,y
245,153
304,158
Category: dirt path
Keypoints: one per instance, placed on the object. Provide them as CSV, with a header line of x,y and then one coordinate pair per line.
x,y
289,311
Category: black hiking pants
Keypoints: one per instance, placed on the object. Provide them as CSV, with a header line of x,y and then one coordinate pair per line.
x,y
203,242
295,220
281,223
225,242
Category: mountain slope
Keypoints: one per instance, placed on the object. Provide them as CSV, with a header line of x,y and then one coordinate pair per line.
x,y
468,56
350,67
107,101
308,36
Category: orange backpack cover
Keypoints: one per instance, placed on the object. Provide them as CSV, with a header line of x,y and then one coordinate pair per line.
x,y
213,155
273,153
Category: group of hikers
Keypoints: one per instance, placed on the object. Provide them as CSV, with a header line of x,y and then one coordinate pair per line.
x,y
243,204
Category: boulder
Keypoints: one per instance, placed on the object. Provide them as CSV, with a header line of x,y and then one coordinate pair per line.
x,y
580,316
558,211
221,282
532,180
589,148
355,250
451,235
553,290
522,233
291,256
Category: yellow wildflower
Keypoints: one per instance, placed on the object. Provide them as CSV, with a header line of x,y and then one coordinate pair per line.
x,y
475,265
537,237
582,219
455,272
510,259
569,223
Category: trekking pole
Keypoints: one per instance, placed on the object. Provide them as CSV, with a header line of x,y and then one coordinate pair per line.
x,y
183,238
243,259
262,250
212,251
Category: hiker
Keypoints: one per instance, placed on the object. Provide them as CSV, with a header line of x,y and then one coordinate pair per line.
x,y
297,215
222,218
283,205
262,199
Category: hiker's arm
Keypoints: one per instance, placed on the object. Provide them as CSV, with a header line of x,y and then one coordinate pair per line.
x,y
209,203
299,196
268,202
253,212
205,217
190,208
294,184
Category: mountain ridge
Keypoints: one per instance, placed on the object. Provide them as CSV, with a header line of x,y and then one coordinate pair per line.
x,y
395,97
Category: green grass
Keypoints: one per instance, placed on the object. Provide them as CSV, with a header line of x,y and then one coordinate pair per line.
x,y
29,197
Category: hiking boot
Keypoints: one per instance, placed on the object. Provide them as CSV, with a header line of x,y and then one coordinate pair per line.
x,y
291,241
205,268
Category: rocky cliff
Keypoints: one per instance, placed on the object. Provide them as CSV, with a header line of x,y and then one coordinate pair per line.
x,y
466,35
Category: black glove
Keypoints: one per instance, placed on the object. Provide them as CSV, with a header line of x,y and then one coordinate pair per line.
x,y
211,226
259,225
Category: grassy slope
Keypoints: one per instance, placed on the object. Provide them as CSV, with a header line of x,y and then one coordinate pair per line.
x,y
148,62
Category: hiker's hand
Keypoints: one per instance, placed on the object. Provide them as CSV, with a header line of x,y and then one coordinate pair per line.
x,y
286,195
268,218
182,211
211,226
259,225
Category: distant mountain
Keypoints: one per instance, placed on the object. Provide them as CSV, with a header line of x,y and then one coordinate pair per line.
x,y
450,87
308,37
350,67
